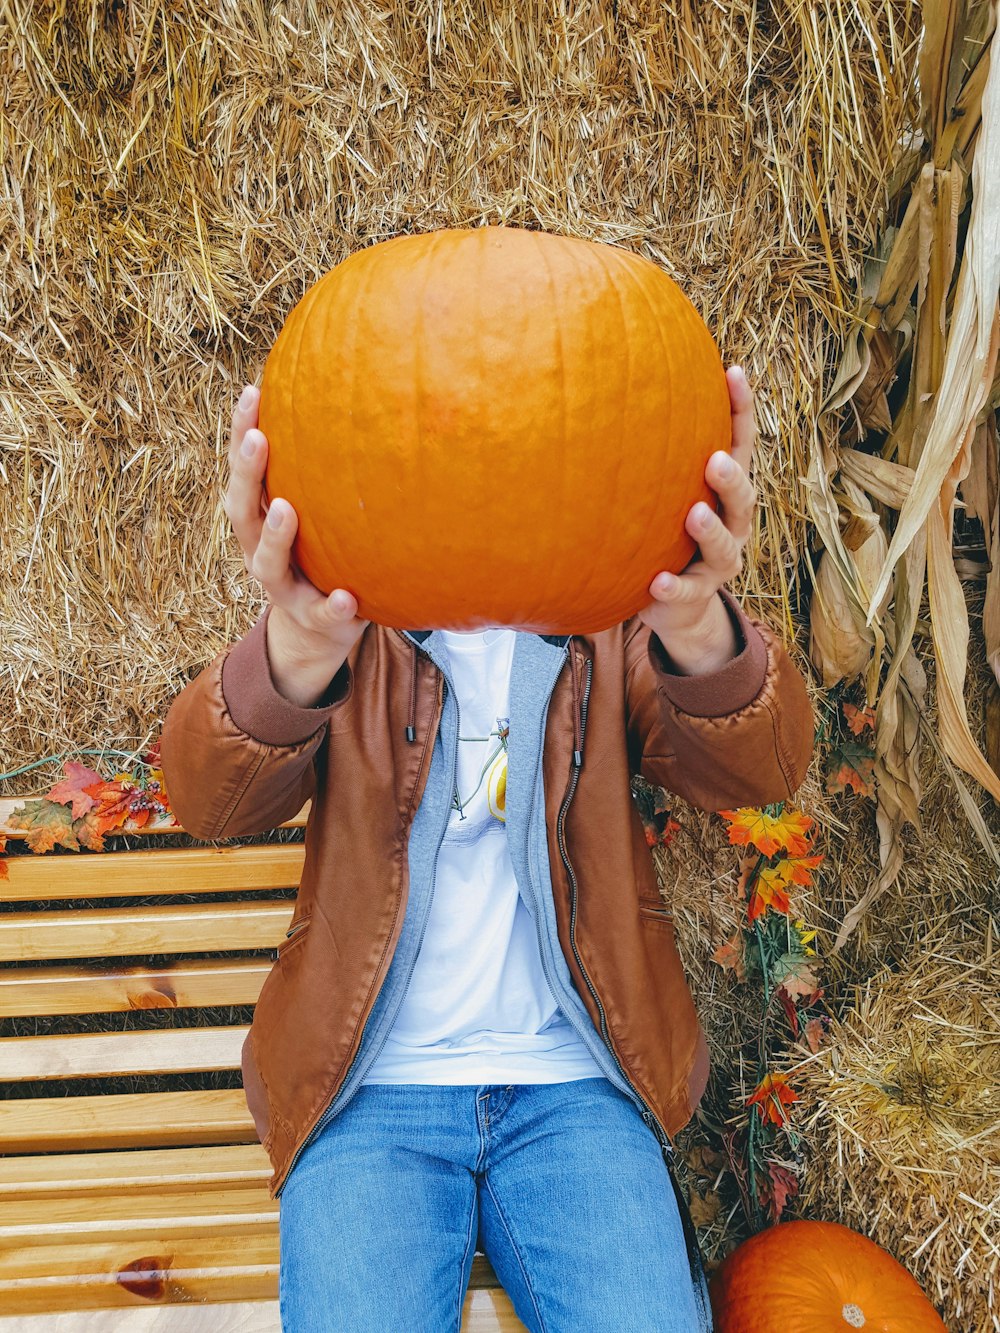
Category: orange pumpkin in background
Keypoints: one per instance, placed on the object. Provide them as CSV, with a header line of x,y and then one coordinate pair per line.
x,y
817,1277
493,426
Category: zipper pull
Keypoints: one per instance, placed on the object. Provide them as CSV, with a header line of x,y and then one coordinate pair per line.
x,y
661,1138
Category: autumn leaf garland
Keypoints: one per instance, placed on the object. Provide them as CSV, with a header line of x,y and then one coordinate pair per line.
x,y
82,807
778,853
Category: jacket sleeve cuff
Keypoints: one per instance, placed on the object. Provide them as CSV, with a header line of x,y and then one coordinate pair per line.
x,y
258,708
727,690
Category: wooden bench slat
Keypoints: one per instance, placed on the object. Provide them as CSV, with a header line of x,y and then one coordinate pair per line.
x,y
145,1119
142,1232
88,1276
186,984
105,1054
484,1312
194,870
67,1174
123,1205
120,932
233,1317
155,1258
96,1263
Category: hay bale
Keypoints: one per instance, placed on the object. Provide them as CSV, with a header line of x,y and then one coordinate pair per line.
x,y
175,177
904,1127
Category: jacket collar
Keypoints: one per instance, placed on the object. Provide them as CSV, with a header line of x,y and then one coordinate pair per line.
x,y
557,640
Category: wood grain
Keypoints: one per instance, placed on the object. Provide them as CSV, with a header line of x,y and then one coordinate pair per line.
x,y
105,1054
121,932
484,1312
139,872
68,1174
148,1119
111,988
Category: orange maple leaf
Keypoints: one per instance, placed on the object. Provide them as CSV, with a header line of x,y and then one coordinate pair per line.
x,y
859,718
768,891
798,869
771,1096
769,833
3,863
72,790
730,954
43,824
111,805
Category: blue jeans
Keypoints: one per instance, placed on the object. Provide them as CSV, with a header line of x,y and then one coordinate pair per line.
x,y
563,1185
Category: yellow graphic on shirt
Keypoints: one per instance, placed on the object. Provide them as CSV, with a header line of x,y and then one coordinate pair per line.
x,y
496,787
493,773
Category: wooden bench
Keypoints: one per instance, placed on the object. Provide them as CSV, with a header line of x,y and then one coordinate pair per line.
x,y
143,1210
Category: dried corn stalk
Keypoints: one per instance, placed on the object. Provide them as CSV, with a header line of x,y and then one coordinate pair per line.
x,y
920,318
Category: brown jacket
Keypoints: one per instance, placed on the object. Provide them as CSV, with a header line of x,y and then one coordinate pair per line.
x,y
239,758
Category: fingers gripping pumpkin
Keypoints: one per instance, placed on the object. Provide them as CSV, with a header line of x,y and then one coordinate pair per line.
x,y
493,426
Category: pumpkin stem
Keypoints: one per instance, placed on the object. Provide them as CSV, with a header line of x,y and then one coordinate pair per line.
x,y
853,1315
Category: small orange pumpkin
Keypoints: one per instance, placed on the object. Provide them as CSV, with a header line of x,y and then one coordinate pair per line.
x,y
807,1276
493,426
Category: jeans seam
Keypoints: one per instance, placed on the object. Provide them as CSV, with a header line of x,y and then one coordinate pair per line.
x,y
517,1253
462,1280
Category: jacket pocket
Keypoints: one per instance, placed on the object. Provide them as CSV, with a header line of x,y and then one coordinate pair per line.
x,y
662,914
295,933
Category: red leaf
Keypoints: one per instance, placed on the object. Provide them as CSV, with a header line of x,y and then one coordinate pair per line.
x,y
777,1188
73,788
112,801
788,1004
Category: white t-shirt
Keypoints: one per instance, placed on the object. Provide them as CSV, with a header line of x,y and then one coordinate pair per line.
x,y
478,1008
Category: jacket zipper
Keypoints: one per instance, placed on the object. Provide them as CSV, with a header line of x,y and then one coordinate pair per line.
x,y
647,1113
335,1103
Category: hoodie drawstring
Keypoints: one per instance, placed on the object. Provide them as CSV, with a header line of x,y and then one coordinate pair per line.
x,y
411,728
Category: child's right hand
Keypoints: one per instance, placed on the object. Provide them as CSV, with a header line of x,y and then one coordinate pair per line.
x,y
309,635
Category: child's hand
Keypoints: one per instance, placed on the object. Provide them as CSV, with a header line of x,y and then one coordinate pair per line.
x,y
309,634
686,613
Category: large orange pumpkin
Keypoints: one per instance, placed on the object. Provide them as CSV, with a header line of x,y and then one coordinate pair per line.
x,y
493,426
817,1277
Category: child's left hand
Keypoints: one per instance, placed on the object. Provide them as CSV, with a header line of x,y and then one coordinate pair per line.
x,y
686,613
